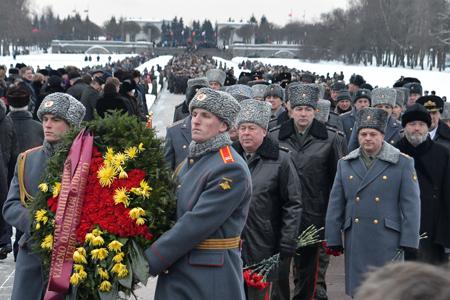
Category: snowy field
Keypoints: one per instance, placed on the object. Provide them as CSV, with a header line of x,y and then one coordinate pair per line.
x,y
60,60
376,76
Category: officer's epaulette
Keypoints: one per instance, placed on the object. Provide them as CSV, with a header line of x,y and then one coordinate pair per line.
x,y
334,129
227,156
25,153
282,148
176,123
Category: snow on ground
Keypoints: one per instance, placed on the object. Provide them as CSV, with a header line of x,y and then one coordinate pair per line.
x,y
376,76
60,60
160,60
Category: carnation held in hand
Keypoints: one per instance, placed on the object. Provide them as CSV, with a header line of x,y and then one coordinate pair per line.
x,y
127,202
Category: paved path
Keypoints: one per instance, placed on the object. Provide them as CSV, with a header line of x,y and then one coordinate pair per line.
x,y
163,116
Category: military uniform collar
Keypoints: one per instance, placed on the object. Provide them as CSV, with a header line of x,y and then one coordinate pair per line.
x,y
268,149
388,153
317,130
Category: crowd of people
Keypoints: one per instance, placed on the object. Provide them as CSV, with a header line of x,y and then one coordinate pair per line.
x,y
258,160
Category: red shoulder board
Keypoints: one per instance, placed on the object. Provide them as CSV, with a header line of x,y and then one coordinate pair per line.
x,y
225,153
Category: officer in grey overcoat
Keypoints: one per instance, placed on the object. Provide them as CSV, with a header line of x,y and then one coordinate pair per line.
x,y
384,98
374,202
200,257
58,112
360,100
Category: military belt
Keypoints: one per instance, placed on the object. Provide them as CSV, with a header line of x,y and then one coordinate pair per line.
x,y
220,244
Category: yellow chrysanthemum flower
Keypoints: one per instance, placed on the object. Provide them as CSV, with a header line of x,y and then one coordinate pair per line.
x,y
121,196
102,273
120,269
89,237
83,274
141,147
106,176
56,189
98,241
43,187
118,257
136,212
145,188
115,246
123,174
109,154
97,232
82,251
47,243
140,221
78,267
131,152
79,258
99,254
75,279
105,286
39,215
119,159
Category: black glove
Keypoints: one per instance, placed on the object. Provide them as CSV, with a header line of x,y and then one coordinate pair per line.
x,y
410,253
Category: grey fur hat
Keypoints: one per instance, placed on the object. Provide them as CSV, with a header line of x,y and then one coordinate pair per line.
x,y
323,110
370,117
384,96
199,81
219,103
240,91
64,106
304,94
274,90
446,112
259,91
254,111
288,88
216,75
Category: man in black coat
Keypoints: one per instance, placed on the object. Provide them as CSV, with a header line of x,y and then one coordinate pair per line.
x,y
29,132
275,206
315,150
432,164
439,131
8,155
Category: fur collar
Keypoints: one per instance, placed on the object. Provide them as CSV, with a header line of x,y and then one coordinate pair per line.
x,y
317,130
388,153
268,149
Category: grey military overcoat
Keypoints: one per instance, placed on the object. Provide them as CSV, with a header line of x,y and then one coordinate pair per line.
x,y
28,280
212,203
378,210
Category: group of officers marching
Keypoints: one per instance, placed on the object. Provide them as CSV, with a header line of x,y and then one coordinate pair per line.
x,y
258,163
376,175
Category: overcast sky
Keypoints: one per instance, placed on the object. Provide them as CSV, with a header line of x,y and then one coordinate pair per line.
x,y
276,11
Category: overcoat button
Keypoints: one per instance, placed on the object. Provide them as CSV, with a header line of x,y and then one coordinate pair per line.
x,y
357,199
385,177
184,146
375,221
350,177
377,199
356,220
191,161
